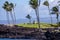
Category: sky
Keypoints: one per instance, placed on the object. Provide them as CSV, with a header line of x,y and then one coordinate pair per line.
x,y
23,8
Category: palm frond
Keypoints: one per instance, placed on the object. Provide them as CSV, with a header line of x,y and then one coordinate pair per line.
x,y
46,3
11,4
52,13
55,9
33,3
28,16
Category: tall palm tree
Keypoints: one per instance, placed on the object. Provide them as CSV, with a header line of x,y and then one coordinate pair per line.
x,y
5,7
46,3
14,14
35,4
12,5
56,11
29,17
8,7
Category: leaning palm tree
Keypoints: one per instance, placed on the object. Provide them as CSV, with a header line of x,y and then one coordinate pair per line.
x,y
46,3
14,14
29,17
8,7
35,4
56,11
12,5
5,7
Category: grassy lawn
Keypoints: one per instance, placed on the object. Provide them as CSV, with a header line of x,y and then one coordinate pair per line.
x,y
43,25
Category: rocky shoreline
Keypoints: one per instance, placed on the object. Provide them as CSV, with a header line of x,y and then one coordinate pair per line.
x,y
17,32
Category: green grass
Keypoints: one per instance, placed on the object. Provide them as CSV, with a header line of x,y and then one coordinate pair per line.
x,y
43,25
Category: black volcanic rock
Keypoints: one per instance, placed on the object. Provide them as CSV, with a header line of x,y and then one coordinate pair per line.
x,y
24,33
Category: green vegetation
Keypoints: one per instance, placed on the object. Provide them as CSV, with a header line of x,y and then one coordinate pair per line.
x,y
43,25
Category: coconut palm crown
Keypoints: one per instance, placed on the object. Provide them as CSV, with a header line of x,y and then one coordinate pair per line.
x,y
55,9
28,16
7,6
34,4
46,3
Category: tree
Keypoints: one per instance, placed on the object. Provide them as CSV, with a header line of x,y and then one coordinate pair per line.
x,y
56,11
12,5
46,3
5,7
8,7
29,17
14,13
35,4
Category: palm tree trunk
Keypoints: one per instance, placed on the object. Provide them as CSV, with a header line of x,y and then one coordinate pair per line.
x,y
30,21
7,15
38,20
57,20
50,15
12,17
37,15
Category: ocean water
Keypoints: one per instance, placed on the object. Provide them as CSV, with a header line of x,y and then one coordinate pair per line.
x,y
19,21
17,39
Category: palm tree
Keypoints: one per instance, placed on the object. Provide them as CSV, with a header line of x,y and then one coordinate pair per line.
x,y
29,17
14,14
8,7
35,4
46,3
5,7
56,11
12,5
